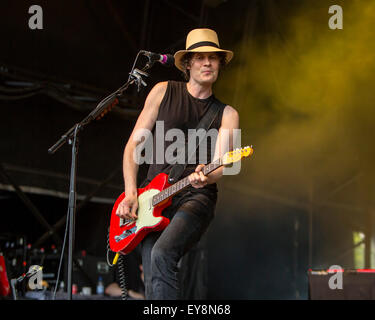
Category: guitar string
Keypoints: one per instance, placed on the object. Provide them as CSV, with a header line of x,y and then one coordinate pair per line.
x,y
164,194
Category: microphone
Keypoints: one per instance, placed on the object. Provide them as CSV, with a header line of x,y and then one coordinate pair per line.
x,y
165,59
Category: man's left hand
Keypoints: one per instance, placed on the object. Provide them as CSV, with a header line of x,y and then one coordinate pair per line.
x,y
197,178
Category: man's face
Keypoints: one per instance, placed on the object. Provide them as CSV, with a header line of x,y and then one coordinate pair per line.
x,y
204,67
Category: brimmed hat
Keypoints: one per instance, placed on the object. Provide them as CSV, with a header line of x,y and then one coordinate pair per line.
x,y
201,40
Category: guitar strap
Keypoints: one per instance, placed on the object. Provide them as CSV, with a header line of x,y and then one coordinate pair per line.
x,y
205,123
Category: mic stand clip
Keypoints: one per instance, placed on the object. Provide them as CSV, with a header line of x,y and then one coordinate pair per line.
x,y
136,76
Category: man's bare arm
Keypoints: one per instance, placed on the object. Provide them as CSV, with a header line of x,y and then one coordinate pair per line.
x,y
146,120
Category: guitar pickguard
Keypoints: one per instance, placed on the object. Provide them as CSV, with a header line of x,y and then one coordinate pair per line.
x,y
145,210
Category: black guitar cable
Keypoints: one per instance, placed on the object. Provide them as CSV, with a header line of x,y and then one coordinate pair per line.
x,y
121,271
121,274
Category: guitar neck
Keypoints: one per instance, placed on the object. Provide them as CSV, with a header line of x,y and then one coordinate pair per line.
x,y
183,183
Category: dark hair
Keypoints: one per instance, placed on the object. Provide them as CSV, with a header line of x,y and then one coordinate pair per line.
x,y
186,59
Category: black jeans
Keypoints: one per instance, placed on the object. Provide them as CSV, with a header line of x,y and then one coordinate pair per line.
x,y
161,252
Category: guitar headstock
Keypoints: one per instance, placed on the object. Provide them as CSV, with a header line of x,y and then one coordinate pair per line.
x,y
237,155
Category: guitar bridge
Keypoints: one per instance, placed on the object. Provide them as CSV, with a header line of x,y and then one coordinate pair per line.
x,y
125,234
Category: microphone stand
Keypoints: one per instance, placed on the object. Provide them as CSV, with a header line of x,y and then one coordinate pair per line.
x,y
71,136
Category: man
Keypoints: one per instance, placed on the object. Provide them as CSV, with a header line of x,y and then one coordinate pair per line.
x,y
180,105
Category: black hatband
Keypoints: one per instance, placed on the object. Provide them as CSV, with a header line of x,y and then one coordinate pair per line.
x,y
203,44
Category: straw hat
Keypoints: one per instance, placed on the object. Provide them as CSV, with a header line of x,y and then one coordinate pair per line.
x,y
201,40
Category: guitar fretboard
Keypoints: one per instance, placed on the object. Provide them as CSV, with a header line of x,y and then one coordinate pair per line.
x,y
182,184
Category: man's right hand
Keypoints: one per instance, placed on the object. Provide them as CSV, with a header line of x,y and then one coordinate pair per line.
x,y
127,208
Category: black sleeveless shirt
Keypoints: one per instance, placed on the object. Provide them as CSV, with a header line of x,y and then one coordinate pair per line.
x,y
180,110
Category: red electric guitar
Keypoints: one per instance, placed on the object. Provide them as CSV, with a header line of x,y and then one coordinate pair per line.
x,y
125,235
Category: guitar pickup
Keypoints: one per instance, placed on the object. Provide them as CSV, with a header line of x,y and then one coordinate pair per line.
x,y
124,222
